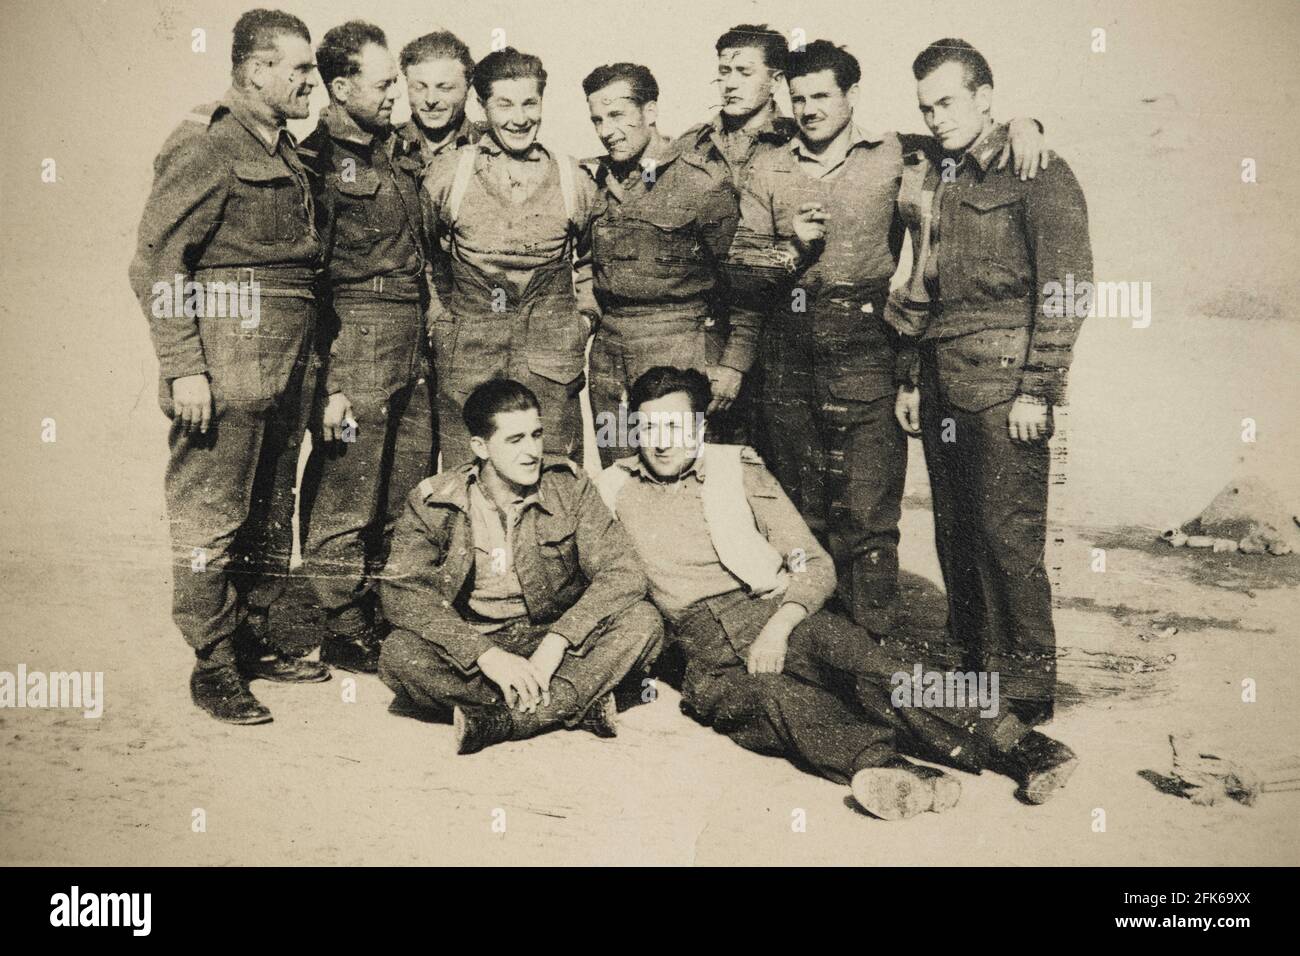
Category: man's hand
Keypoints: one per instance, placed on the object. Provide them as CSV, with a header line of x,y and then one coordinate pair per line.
x,y
546,659
337,415
726,386
1027,420
810,226
907,409
1026,147
767,653
192,402
515,676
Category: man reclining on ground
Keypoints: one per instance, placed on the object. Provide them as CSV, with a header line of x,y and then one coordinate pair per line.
x,y
742,583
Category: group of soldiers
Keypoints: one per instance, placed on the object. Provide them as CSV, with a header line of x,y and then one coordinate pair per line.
x,y
432,300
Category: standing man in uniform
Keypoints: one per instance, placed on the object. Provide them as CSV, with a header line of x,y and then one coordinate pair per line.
x,y
517,603
659,248
818,242
993,255
516,218
751,69
231,207
372,429
437,67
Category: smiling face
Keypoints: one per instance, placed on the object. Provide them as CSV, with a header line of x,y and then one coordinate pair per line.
x,y
514,449
624,128
744,81
820,107
514,113
956,114
670,434
437,90
370,94
284,77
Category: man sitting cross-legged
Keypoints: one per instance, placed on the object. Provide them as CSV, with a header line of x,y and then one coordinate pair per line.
x,y
517,600
741,581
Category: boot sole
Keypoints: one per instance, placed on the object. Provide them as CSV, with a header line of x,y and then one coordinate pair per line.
x,y
286,679
1040,786
351,666
892,794
458,728
238,721
947,788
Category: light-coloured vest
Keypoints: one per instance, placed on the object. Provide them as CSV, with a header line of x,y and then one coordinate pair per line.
x,y
465,172
739,544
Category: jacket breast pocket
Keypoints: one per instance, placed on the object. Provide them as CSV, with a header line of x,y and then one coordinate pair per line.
x,y
357,223
557,547
663,243
263,199
992,216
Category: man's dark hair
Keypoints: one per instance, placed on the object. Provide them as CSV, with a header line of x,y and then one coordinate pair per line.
x,y
645,89
759,36
507,64
665,380
951,50
439,45
825,55
339,53
490,399
258,29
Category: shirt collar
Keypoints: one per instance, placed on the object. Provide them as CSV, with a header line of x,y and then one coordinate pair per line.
x,y
341,125
268,134
520,504
774,127
990,144
464,133
659,152
452,487
852,135
636,466
489,145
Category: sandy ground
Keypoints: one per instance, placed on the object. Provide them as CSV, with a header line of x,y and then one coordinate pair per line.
x,y
337,782
1156,128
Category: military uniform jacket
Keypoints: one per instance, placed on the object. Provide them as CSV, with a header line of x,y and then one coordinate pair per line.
x,y
999,248
575,563
224,198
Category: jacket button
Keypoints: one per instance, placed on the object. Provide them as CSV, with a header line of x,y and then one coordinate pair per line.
x,y
364,330
868,308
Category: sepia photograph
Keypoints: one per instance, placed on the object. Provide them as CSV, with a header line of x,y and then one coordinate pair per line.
x,y
598,433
